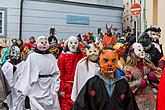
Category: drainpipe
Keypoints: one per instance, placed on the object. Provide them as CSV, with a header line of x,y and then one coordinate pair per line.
x,y
145,16
21,15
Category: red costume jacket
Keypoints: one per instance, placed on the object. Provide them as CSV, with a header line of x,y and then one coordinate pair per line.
x,y
67,64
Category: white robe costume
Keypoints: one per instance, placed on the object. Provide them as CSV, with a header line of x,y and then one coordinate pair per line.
x,y
15,99
42,91
82,75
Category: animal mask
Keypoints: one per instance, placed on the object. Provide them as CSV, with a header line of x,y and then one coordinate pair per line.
x,y
144,40
138,50
108,62
109,30
92,52
42,43
73,43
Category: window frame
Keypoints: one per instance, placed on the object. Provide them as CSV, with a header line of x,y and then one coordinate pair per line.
x,y
3,23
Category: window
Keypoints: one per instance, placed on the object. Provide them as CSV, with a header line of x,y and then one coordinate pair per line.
x,y
2,22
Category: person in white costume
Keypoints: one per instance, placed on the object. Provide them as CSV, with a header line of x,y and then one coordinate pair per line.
x,y
85,69
40,78
12,69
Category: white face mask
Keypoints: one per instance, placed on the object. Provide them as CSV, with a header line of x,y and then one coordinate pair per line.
x,y
73,43
154,36
42,43
92,52
138,50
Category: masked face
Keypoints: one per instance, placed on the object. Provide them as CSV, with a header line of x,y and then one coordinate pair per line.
x,y
144,41
42,43
54,50
14,52
138,50
73,43
92,52
108,62
155,36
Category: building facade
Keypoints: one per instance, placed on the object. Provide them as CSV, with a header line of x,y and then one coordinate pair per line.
x,y
68,17
152,14
130,20
155,16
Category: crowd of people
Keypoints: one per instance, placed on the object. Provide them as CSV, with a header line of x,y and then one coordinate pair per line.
x,y
117,72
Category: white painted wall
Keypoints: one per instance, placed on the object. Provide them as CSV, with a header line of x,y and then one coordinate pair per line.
x,y
39,17
118,3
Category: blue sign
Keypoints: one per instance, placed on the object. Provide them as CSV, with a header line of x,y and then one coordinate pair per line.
x,y
77,20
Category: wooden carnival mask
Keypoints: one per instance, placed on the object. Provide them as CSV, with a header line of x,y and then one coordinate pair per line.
x,y
108,62
109,30
138,50
14,52
42,43
73,43
92,52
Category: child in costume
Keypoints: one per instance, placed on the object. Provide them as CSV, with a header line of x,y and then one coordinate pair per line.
x,y
106,90
67,62
40,78
86,68
12,69
143,77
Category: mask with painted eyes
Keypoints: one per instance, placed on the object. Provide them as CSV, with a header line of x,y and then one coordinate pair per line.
x,y
155,36
73,43
138,50
92,52
108,62
54,49
42,43
14,52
